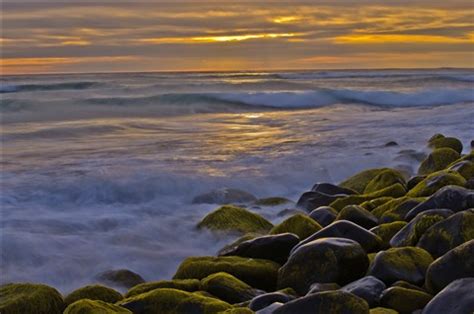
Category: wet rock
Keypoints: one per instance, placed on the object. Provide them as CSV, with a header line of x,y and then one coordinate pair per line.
x,y
396,209
391,143
30,298
332,260
331,189
93,292
311,200
404,301
190,285
258,273
339,302
435,181
413,181
224,196
406,263
87,306
272,247
438,160
359,181
383,180
387,231
358,215
270,309
368,288
264,300
457,263
448,234
234,219
323,215
456,298
446,142
464,168
228,288
321,287
373,204
301,225
121,277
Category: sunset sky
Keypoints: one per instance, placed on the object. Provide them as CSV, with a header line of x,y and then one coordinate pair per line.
x,y
102,36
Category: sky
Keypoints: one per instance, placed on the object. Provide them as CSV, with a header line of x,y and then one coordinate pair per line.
x,y
108,36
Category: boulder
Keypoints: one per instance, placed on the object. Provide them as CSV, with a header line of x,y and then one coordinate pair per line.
x,y
235,219
93,292
406,263
383,180
359,181
332,260
190,285
464,168
334,302
224,196
387,231
120,277
413,181
396,190
457,263
368,288
438,160
398,212
358,215
320,287
456,298
373,204
331,189
407,285
166,300
447,142
411,233
258,273
446,235
382,310
264,300
311,200
271,247
323,215
270,309
272,201
21,298
403,300
87,306
348,230
301,225
436,181
228,288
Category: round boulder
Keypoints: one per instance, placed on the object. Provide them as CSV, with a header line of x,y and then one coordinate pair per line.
x,y
264,300
93,292
403,300
87,306
299,224
456,298
358,215
30,298
323,215
368,288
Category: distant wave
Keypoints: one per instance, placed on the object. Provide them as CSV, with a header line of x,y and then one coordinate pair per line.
x,y
47,87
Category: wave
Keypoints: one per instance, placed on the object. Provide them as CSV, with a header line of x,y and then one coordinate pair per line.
x,y
47,87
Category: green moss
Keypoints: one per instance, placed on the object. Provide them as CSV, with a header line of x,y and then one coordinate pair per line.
x,y
387,231
238,310
172,301
359,181
404,300
423,224
228,288
233,218
86,306
464,168
396,190
447,142
189,285
382,310
438,160
436,181
373,204
301,225
20,298
383,180
467,229
93,292
435,137
258,273
272,201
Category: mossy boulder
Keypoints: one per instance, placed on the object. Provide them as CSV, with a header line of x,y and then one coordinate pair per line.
x,y
258,273
166,300
93,292
448,234
436,181
359,181
190,285
321,287
411,233
368,288
224,196
323,215
301,225
398,213
438,160
413,181
235,219
382,310
457,263
358,215
404,284
387,231
313,199
373,204
228,288
396,190
272,201
332,260
406,263
383,180
464,168
87,306
21,298
334,302
404,301
238,310
271,247
264,300
446,142
120,277
456,298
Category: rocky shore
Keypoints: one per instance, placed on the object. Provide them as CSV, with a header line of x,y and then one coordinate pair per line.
x,y
382,241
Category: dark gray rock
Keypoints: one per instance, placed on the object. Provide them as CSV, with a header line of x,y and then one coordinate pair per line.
x,y
358,215
331,189
456,298
324,215
264,300
368,288
320,287
311,200
224,196
413,181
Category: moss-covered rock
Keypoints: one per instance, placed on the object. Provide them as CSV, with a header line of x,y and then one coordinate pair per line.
x,y
387,231
373,204
395,208
396,190
383,180
264,300
332,260
438,160
190,285
21,298
413,181
321,287
323,215
446,142
120,277
358,215
382,310
258,273
456,298
87,306
464,168
406,263
235,219
436,181
238,310
228,288
93,292
359,181
448,234
272,201
404,301
301,225
172,301
407,285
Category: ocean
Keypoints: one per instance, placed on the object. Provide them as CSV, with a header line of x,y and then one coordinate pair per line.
x,y
99,170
